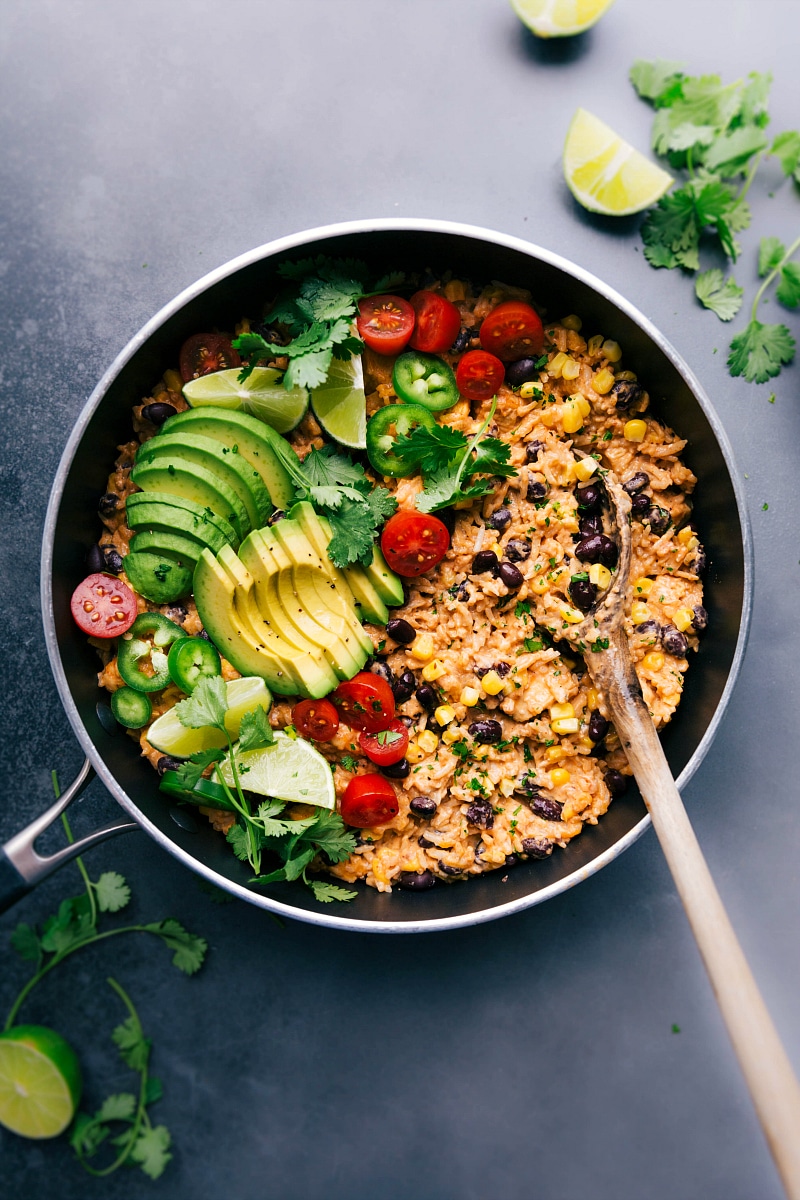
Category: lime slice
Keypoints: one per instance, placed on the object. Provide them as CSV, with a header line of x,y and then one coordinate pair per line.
x,y
167,734
262,394
559,18
339,403
40,1081
291,770
605,174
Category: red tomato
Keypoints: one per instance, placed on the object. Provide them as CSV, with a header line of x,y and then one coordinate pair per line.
x,y
206,352
414,542
369,800
365,702
103,607
479,375
438,323
315,719
513,330
385,323
387,746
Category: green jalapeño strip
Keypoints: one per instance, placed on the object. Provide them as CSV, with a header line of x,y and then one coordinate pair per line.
x,y
205,791
132,709
143,652
425,379
385,426
190,660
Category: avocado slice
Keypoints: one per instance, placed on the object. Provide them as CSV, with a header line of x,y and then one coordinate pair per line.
x,y
255,440
163,518
157,577
387,583
195,483
172,509
183,550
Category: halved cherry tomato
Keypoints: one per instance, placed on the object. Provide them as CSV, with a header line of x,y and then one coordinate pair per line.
x,y
207,352
438,322
512,330
385,323
414,542
479,375
315,719
368,800
103,607
365,702
387,746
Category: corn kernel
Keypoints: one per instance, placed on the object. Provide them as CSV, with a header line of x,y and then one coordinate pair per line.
x,y
683,619
585,468
586,743
444,714
455,290
603,381
569,663
556,363
595,343
433,670
378,871
506,787
592,699
492,683
570,369
427,741
422,648
635,431
469,696
414,754
572,322
173,380
572,419
558,711
612,350
569,523
685,535
450,735
630,376
565,725
653,661
643,586
639,612
539,585
530,390
559,776
554,753
571,616
600,576
583,404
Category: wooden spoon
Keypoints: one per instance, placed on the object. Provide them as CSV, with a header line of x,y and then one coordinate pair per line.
x,y
772,1083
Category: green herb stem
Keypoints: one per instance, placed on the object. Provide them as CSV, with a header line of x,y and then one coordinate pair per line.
x,y
751,174
776,270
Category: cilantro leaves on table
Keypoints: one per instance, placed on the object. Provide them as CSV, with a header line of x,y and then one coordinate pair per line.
x,y
722,296
759,351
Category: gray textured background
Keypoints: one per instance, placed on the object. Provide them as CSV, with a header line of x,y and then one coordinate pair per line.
x,y
145,144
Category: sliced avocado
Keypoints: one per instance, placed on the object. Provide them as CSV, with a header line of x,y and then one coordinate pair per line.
x,y
386,582
195,483
170,506
255,440
163,518
320,537
369,605
157,577
183,550
227,464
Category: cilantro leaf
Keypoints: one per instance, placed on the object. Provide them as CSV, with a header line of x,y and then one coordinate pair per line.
x,y
238,839
770,252
308,371
786,149
730,154
331,299
653,79
430,448
722,296
354,526
154,1089
71,924
330,836
112,892
788,290
190,772
151,1150
295,866
255,730
693,120
328,467
390,281
117,1108
328,892
25,941
88,1135
190,950
349,763
492,458
671,233
267,817
759,351
207,705
133,1046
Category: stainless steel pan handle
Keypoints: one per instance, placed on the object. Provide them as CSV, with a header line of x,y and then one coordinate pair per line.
x,y
21,867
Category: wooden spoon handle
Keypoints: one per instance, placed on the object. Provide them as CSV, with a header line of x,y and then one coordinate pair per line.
x,y
767,1070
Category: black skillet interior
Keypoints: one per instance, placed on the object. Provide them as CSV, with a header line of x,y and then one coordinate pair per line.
x,y
245,292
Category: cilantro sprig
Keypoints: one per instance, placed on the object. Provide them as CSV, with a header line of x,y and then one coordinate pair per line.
x,y
759,351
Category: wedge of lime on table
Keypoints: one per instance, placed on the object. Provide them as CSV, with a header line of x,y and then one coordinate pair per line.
x,y
559,18
40,1081
171,737
291,770
262,395
605,174
340,405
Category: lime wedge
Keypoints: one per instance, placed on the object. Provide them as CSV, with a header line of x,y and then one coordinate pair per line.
x,y
262,394
244,695
559,18
291,770
40,1081
605,174
339,403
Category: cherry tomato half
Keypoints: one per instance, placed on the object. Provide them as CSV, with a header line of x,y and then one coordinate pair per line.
x,y
368,800
206,352
385,323
512,330
414,542
365,702
438,322
315,719
103,607
387,746
479,375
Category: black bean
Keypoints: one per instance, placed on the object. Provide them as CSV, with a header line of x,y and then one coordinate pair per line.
x,y
699,563
484,562
650,630
500,519
700,618
403,687
658,519
582,593
427,696
502,669
636,483
177,613
486,732
460,591
398,770
448,870
598,726
480,813
627,393
113,560
270,333
423,806
674,641
108,504
277,515
448,518
511,860
640,504
462,341
526,785
537,847
589,497
165,763
203,635
94,559
402,631
616,782
532,451
523,370
426,843
158,412
546,807
416,881
536,491
591,523
597,548
384,670
511,576
518,549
